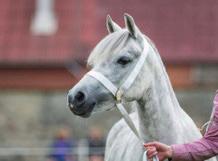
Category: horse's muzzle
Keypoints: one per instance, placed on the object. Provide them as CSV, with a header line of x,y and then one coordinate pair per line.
x,y
80,105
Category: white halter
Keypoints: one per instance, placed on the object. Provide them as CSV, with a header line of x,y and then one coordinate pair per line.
x,y
118,92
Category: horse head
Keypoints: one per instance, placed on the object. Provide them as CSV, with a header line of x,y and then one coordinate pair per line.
x,y
114,57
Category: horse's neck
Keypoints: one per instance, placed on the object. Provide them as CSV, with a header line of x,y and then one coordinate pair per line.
x,y
158,109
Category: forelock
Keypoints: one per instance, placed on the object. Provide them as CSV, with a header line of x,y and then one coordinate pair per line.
x,y
108,46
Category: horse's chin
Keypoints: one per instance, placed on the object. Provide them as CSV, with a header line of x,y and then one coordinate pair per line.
x,y
81,114
84,114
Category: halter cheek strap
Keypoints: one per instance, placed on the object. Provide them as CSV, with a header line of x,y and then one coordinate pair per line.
x,y
129,81
118,92
115,91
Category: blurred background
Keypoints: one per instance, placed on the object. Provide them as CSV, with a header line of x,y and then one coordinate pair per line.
x,y
44,45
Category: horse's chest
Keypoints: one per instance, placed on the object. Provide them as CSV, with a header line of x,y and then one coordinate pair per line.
x,y
122,145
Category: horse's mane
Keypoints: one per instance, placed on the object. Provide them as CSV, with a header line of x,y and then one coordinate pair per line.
x,y
163,69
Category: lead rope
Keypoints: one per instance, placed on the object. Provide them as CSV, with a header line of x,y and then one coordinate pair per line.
x,y
207,124
118,93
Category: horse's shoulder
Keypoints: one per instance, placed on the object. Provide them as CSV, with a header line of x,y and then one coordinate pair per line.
x,y
115,130
122,140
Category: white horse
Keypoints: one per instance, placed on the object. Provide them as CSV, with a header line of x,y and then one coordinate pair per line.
x,y
158,116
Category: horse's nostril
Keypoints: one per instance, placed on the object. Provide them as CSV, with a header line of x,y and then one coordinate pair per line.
x,y
79,97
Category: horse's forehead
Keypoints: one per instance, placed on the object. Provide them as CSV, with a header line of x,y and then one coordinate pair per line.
x,y
107,47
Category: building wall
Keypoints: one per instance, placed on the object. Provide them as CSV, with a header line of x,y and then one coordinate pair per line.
x,y
35,100
182,76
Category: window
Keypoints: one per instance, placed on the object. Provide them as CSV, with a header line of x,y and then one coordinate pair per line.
x,y
44,21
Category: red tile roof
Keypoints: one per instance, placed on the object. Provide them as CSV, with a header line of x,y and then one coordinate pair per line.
x,y
184,31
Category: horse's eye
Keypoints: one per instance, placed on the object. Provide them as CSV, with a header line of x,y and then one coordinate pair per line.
x,y
124,60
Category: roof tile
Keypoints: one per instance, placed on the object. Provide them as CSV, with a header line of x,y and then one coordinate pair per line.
x,y
184,31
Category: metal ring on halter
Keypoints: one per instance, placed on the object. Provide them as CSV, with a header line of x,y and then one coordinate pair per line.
x,y
119,95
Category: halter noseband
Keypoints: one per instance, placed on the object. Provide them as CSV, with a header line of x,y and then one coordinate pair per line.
x,y
118,92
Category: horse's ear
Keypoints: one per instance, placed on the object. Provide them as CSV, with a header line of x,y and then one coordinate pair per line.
x,y
111,25
130,25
